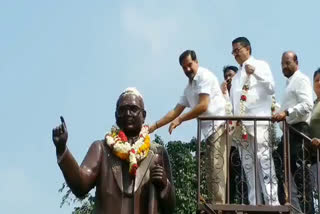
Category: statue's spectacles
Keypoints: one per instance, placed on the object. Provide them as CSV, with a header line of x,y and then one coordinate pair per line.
x,y
126,110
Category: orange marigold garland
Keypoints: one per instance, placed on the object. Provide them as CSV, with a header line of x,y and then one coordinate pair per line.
x,y
118,143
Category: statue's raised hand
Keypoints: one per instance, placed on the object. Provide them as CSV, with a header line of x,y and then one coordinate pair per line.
x,y
60,136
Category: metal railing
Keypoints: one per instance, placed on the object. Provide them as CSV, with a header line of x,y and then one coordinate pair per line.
x,y
302,172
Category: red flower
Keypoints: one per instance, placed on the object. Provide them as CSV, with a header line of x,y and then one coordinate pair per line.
x,y
133,169
230,122
132,151
245,136
123,136
243,98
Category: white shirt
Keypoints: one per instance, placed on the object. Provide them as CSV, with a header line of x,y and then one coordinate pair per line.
x,y
228,106
205,82
297,98
261,89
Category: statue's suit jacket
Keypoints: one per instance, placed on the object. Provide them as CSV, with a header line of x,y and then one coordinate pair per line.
x,y
116,190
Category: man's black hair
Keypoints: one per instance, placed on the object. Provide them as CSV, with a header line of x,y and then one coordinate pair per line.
x,y
243,41
229,67
186,54
316,73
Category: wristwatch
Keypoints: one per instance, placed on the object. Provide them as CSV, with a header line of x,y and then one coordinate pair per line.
x,y
288,111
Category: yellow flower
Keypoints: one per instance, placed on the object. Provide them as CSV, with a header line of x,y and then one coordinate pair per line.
x,y
122,156
145,146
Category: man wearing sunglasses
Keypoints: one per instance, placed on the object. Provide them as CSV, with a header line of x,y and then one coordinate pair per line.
x,y
251,95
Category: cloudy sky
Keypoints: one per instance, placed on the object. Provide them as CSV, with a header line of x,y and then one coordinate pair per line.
x,y
74,58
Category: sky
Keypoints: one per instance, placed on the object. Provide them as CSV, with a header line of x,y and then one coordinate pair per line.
x,y
74,58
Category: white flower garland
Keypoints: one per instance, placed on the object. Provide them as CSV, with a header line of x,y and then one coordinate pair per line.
x,y
134,153
243,100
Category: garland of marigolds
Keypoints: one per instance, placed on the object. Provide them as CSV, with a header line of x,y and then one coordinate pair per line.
x,y
119,145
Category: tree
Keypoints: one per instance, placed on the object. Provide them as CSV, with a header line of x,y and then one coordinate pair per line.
x,y
86,203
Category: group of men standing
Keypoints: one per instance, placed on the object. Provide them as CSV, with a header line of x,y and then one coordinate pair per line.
x,y
250,93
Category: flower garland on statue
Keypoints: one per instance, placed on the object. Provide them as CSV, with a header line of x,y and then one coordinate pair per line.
x,y
243,100
119,145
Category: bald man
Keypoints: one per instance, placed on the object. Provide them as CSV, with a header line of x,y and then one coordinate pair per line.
x,y
296,109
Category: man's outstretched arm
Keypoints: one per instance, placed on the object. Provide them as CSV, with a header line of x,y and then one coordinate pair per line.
x,y
200,108
171,115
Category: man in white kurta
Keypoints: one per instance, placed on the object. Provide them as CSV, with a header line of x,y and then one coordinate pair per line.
x,y
254,100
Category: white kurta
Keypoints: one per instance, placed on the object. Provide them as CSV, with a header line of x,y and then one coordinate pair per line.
x,y
258,103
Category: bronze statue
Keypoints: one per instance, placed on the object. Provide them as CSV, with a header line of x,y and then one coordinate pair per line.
x,y
132,177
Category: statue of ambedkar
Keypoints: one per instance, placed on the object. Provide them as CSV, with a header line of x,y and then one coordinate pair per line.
x,y
131,174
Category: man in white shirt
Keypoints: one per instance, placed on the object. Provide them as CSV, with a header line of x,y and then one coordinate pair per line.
x,y
296,109
228,73
203,95
251,95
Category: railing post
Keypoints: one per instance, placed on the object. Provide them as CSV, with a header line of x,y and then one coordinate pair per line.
x,y
228,162
304,176
286,157
271,161
242,178
256,179
318,179
198,160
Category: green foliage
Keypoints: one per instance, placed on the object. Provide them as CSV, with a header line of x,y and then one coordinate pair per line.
x,y
86,203
87,206
184,172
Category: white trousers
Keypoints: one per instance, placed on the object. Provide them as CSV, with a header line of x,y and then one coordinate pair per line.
x,y
267,180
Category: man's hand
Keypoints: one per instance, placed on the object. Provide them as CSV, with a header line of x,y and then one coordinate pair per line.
x,y
174,124
279,117
152,128
249,69
316,142
159,177
224,87
60,136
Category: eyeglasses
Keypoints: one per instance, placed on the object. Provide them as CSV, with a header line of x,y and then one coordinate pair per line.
x,y
128,109
236,51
